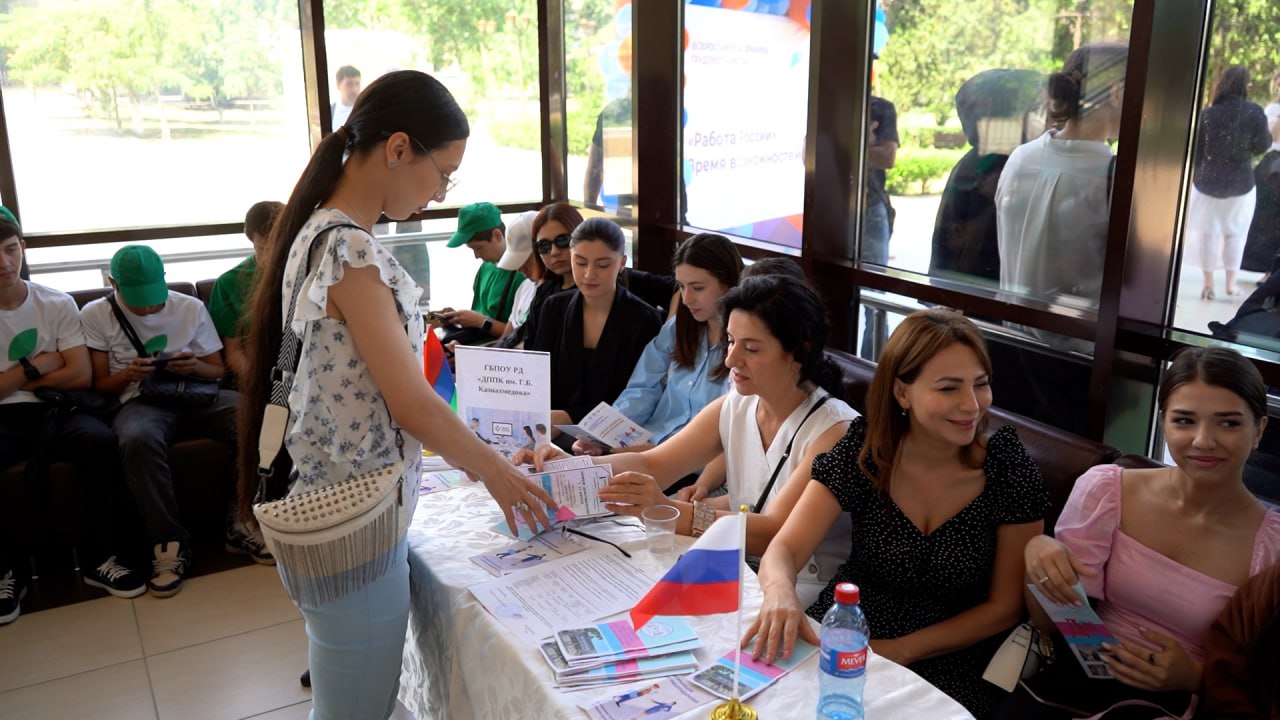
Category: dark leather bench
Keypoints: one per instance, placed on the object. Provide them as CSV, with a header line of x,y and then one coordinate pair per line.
x,y
203,475
1062,456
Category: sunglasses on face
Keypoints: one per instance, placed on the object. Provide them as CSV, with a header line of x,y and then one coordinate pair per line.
x,y
544,246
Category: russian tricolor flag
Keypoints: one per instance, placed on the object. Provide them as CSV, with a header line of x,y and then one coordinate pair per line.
x,y
435,366
704,581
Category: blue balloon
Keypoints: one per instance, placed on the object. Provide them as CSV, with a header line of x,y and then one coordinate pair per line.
x,y
688,172
808,14
707,3
772,7
684,118
622,21
880,38
618,88
609,64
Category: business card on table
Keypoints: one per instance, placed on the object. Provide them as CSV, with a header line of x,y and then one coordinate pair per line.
x,y
755,675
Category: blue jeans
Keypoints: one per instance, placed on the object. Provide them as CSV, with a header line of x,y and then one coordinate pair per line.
x,y
356,644
875,249
145,432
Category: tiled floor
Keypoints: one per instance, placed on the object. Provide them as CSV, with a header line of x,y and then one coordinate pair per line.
x,y
229,646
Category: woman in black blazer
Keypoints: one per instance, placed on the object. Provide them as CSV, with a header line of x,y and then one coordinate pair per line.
x,y
596,332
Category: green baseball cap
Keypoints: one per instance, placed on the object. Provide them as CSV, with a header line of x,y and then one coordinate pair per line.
x,y
473,219
139,274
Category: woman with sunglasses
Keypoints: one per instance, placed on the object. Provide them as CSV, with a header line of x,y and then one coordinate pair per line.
x,y
596,332
551,229
359,401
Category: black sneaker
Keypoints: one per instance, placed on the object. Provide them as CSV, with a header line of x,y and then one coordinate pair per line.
x,y
12,590
241,542
115,579
171,562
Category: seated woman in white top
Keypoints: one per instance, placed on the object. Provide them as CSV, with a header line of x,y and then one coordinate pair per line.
x,y
781,399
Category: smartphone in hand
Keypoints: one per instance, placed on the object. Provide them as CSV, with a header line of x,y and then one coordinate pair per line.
x,y
159,361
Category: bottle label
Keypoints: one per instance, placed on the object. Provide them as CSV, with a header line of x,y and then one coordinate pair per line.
x,y
843,664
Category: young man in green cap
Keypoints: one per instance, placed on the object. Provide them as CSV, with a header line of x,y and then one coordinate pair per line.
x,y
480,228
178,335
45,349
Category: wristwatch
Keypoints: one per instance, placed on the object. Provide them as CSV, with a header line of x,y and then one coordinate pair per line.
x,y
488,326
31,371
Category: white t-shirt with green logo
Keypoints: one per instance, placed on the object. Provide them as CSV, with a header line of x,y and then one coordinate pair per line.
x,y
183,324
47,321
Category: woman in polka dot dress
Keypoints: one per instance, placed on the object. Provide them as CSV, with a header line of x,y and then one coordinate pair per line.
x,y
941,513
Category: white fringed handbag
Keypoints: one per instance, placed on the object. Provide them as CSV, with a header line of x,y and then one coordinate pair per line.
x,y
336,539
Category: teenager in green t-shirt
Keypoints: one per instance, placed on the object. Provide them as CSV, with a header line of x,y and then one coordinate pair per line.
x,y
480,228
231,291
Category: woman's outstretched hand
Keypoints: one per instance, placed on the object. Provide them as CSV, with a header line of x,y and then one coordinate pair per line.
x,y
629,493
775,629
1052,567
516,493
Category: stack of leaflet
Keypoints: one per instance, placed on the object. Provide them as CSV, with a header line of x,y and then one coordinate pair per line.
x,y
613,652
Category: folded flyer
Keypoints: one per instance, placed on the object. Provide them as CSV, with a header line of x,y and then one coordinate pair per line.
x,y
577,489
1083,630
618,638
561,667
755,675
623,671
607,428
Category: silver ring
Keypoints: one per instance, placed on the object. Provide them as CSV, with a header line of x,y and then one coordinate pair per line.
x,y
1044,579
524,507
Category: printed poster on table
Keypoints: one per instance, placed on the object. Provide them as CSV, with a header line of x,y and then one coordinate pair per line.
x,y
504,396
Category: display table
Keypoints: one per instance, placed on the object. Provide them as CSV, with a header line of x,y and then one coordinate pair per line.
x,y
459,663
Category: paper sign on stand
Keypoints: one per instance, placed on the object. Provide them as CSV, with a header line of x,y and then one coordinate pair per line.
x,y
504,396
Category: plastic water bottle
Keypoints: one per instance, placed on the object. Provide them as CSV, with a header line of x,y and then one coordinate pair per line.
x,y
842,666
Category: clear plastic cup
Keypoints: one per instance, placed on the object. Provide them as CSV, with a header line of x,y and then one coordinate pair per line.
x,y
660,528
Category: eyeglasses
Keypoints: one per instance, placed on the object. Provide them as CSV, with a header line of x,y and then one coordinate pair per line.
x,y
543,246
449,183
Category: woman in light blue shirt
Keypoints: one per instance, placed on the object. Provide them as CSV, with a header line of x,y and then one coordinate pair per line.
x,y
682,369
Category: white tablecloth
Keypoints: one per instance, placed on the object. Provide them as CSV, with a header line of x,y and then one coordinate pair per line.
x,y
459,663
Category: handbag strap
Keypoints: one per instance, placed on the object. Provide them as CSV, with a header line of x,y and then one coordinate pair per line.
x,y
127,326
786,454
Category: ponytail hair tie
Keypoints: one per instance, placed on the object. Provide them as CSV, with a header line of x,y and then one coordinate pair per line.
x,y
348,137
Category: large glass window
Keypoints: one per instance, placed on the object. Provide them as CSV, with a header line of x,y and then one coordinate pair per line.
x,y
486,53
746,93
598,103
124,113
1227,285
991,143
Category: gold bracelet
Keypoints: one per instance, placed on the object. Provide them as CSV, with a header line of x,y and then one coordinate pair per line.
x,y
703,516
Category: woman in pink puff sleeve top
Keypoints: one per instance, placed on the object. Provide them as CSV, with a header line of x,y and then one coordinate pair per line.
x,y
1160,551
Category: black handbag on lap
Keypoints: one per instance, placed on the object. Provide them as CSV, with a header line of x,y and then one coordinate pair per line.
x,y
164,387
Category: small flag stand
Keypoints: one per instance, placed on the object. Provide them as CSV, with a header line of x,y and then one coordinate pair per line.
x,y
735,709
